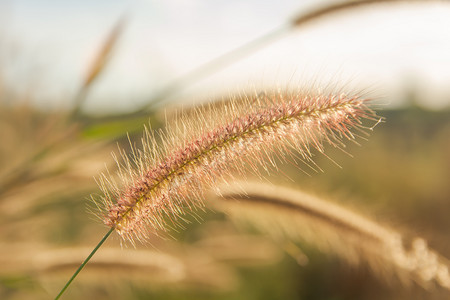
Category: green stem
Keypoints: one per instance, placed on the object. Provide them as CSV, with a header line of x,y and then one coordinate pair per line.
x,y
85,262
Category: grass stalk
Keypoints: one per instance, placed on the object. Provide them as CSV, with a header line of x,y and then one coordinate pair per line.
x,y
334,229
83,264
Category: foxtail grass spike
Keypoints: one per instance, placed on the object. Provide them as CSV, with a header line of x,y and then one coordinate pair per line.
x,y
333,229
162,184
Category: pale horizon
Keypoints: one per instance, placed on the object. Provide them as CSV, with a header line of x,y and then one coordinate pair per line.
x,y
387,48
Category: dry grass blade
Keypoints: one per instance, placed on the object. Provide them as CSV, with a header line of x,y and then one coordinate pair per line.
x,y
115,261
337,7
333,229
212,66
183,268
99,64
220,62
42,261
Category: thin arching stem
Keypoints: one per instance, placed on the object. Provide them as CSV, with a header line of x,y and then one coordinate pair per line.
x,y
212,66
85,262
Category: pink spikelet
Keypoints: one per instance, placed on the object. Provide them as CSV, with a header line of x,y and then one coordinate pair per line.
x,y
162,184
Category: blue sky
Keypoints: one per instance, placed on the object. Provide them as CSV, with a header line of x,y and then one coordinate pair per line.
x,y
383,48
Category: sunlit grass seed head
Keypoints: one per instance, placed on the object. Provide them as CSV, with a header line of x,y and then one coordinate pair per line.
x,y
286,212
165,181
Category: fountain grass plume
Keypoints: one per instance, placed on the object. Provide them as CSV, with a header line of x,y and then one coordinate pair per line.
x,y
161,184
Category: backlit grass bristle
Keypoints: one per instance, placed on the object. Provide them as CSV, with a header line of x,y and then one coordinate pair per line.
x,y
164,182
333,229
